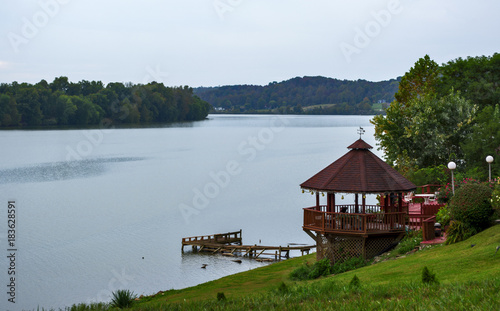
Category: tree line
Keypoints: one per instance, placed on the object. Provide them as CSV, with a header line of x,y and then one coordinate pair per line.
x,y
443,113
308,95
91,102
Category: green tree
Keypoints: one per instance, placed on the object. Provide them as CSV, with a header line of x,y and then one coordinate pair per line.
x,y
482,141
65,110
5,117
420,80
60,84
477,78
28,103
421,129
86,112
437,128
390,134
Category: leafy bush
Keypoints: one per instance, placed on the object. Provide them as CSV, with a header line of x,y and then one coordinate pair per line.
x,y
301,273
437,175
348,265
221,296
446,193
459,231
428,277
411,240
320,268
283,288
122,298
307,272
471,205
323,267
443,216
495,196
355,282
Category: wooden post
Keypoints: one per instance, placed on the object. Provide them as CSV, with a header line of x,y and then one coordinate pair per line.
x,y
364,203
330,202
356,203
317,199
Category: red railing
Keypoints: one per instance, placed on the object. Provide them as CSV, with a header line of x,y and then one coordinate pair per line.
x,y
347,208
315,218
416,218
430,188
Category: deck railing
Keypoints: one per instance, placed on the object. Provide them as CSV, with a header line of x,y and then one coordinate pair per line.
x,y
318,219
416,218
215,238
347,208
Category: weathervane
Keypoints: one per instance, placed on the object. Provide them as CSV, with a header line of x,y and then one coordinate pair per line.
x,y
361,131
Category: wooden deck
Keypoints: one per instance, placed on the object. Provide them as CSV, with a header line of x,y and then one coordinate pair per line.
x,y
223,243
319,220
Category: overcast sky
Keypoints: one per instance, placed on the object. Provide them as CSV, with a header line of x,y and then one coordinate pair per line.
x,y
223,42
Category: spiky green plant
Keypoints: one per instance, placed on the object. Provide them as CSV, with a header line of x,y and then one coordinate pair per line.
x,y
428,277
122,298
355,282
221,296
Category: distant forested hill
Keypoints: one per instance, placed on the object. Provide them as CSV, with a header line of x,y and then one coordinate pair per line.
x,y
91,103
310,95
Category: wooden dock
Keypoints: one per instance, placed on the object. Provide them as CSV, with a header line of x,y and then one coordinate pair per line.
x,y
230,244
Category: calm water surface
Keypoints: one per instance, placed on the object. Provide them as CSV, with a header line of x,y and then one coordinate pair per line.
x,y
101,210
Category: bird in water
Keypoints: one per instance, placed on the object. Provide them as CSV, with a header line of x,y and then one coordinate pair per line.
x,y
204,266
237,261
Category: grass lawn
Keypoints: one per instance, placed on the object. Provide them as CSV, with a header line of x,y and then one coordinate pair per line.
x,y
469,278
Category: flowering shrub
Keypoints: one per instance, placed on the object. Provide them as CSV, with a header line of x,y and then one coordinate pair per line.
x,y
471,204
495,197
446,192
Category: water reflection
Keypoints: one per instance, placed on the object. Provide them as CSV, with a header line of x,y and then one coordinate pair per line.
x,y
56,171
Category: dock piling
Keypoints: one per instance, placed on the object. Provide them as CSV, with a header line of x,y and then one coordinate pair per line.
x,y
230,244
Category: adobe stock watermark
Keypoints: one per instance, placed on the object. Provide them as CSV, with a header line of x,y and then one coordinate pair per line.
x,y
118,281
248,149
363,37
93,138
222,7
31,26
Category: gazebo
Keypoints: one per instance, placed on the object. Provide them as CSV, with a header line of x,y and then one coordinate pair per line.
x,y
343,231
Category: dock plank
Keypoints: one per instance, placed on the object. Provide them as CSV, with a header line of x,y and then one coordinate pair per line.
x,y
225,243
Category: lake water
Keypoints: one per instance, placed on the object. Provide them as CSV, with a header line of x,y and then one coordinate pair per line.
x,y
101,210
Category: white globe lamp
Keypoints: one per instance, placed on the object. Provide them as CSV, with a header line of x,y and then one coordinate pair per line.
x,y
489,159
452,166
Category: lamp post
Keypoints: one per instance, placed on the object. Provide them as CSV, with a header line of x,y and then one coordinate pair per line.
x,y
489,159
452,166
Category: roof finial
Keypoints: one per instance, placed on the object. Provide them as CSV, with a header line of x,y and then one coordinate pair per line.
x,y
361,131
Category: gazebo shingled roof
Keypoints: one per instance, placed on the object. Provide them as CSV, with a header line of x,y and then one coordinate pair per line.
x,y
359,171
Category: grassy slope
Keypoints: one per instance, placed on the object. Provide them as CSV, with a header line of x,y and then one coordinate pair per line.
x,y
241,284
453,263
